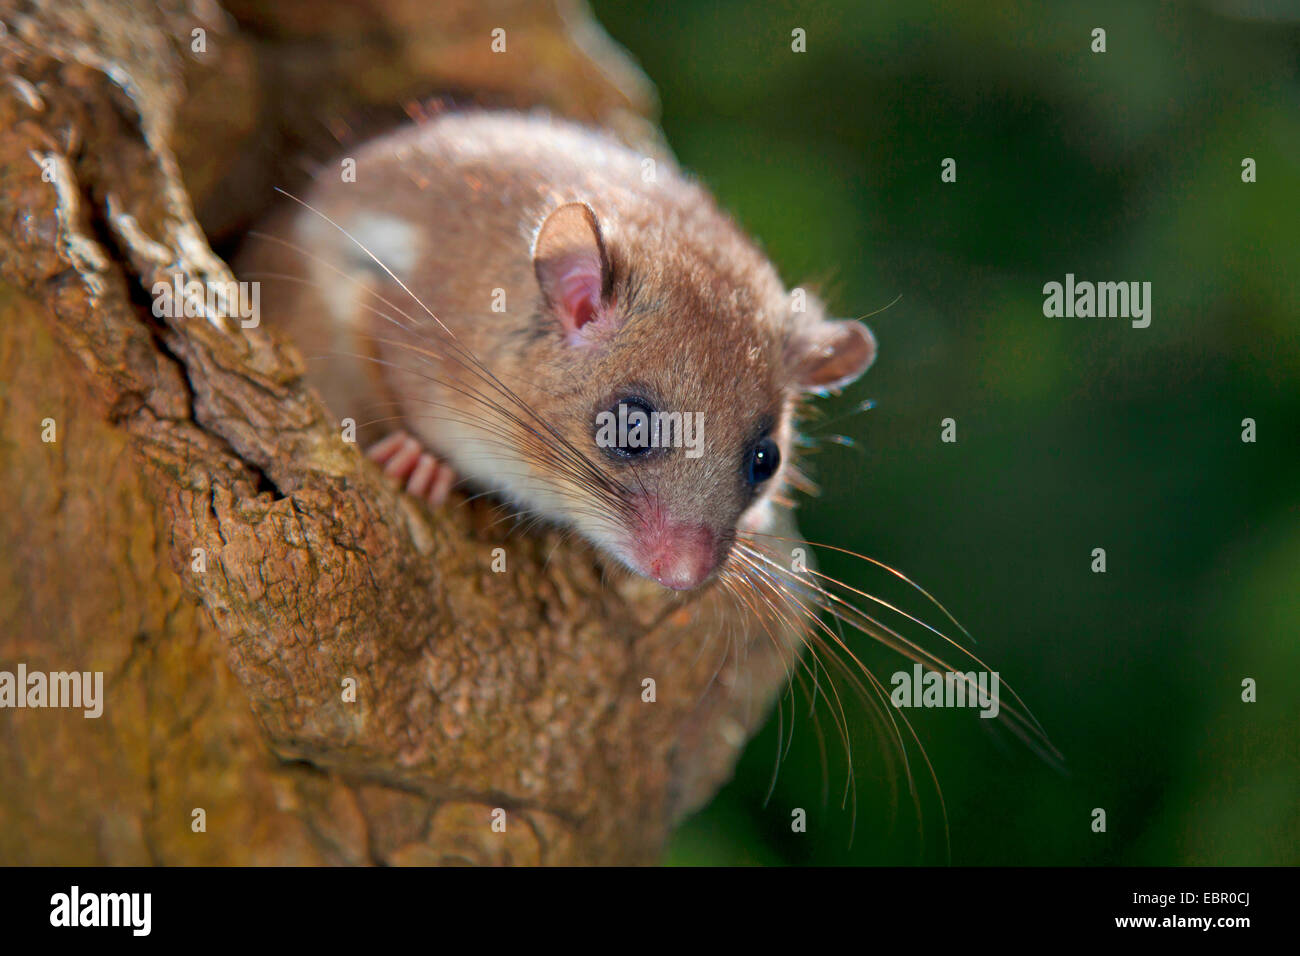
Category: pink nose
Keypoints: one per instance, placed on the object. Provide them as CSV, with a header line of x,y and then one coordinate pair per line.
x,y
679,556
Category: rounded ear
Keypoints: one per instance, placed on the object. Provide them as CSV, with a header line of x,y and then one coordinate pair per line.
x,y
571,265
830,354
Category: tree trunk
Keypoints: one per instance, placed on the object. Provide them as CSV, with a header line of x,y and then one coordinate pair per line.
x,y
197,531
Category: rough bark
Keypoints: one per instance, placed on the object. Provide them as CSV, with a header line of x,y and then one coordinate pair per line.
x,y
224,688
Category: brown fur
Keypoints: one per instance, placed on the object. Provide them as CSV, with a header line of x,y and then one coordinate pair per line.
x,y
703,321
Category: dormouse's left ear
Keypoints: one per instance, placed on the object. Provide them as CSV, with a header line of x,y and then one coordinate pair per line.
x,y
830,353
572,266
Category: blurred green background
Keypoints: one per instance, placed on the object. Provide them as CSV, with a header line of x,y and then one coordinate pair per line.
x,y
1073,433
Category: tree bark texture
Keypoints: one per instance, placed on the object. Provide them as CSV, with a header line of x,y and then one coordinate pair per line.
x,y
127,157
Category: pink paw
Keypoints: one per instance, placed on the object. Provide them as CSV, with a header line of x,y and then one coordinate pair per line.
x,y
405,460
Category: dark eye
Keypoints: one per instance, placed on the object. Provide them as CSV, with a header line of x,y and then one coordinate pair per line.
x,y
628,430
763,461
